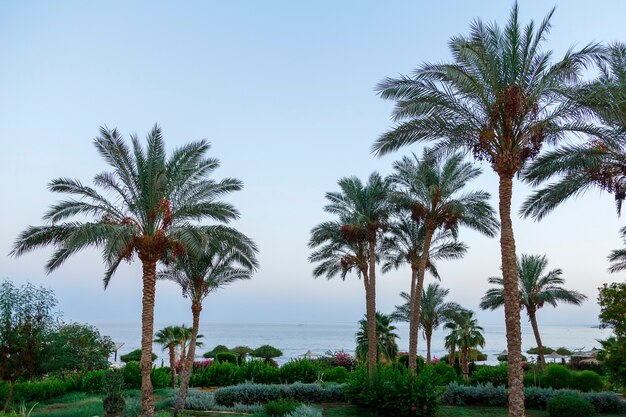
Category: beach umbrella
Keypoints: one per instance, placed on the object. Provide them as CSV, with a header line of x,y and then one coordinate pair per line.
x,y
309,354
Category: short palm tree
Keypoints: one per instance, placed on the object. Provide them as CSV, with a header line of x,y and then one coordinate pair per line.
x,y
351,241
499,99
599,163
434,310
151,211
465,334
537,287
387,345
229,258
169,339
184,340
432,189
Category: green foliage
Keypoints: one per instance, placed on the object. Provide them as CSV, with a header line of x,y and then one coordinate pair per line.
x,y
404,360
252,393
442,373
242,352
134,356
227,357
337,374
586,381
481,394
570,406
556,376
564,351
217,349
535,351
614,360
606,402
305,411
160,377
92,381
132,375
205,401
387,346
612,301
39,390
505,358
496,375
301,370
113,389
392,391
77,347
279,408
266,352
261,372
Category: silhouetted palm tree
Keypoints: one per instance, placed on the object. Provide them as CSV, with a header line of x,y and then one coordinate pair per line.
x,y
387,345
536,288
467,335
151,211
169,338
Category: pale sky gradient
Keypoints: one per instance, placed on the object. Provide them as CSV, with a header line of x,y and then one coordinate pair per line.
x,y
284,91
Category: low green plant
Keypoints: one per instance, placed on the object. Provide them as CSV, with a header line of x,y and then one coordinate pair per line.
x,y
569,405
301,370
229,357
266,352
305,411
535,350
481,394
217,349
279,408
556,376
442,373
497,375
586,381
113,389
134,356
252,393
260,372
92,381
132,375
336,374
160,377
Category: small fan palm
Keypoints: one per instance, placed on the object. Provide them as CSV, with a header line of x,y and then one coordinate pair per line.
x,y
433,311
537,288
230,258
350,242
432,190
465,334
169,338
152,212
500,99
387,346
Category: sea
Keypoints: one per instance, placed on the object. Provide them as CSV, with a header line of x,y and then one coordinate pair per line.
x,y
295,339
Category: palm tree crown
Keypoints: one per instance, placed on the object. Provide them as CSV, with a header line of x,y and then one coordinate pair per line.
x,y
387,345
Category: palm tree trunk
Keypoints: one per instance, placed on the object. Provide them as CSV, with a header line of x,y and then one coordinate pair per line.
x,y
196,308
465,362
429,335
370,306
533,321
147,329
452,358
416,300
7,402
173,364
511,299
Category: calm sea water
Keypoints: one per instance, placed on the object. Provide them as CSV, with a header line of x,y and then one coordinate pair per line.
x,y
296,339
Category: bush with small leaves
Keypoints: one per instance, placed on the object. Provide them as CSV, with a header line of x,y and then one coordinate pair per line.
x,y
92,381
266,352
569,405
556,376
134,356
279,408
230,357
305,411
160,377
336,374
132,375
260,372
217,349
497,375
586,381
442,373
300,370
606,402
251,393
113,389
481,394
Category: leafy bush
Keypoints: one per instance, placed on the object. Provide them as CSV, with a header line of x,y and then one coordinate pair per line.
x,y
586,381
134,356
77,347
314,393
305,411
92,381
39,390
266,352
113,386
442,373
535,350
217,349
336,374
482,394
556,376
205,401
569,406
391,392
606,402
132,375
251,393
260,372
403,358
229,357
160,377
300,370
497,375
279,408
339,358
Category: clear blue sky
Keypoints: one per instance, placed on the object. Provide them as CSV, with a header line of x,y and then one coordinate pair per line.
x,y
284,91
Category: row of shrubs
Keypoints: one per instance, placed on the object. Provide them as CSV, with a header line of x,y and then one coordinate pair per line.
x,y
535,397
219,374
250,393
553,376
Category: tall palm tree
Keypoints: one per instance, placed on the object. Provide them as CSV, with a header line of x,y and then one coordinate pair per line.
x,y
350,242
432,188
387,345
151,210
599,163
225,260
169,338
433,311
500,99
467,335
537,287
617,257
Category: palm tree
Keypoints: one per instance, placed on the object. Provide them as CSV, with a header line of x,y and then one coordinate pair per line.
x,y
185,334
151,210
432,189
169,338
536,288
499,99
230,258
433,311
466,334
618,256
387,345
351,241
597,163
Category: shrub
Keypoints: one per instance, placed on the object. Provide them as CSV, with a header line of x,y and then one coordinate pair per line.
x,y
205,401
497,375
535,350
134,356
266,352
586,381
505,358
392,392
442,373
314,393
606,402
260,372
92,381
217,349
569,406
300,370
216,375
113,386
242,353
482,394
556,376
564,351
160,377
38,390
278,408
229,357
305,411
251,393
336,374
132,375
339,358
403,358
